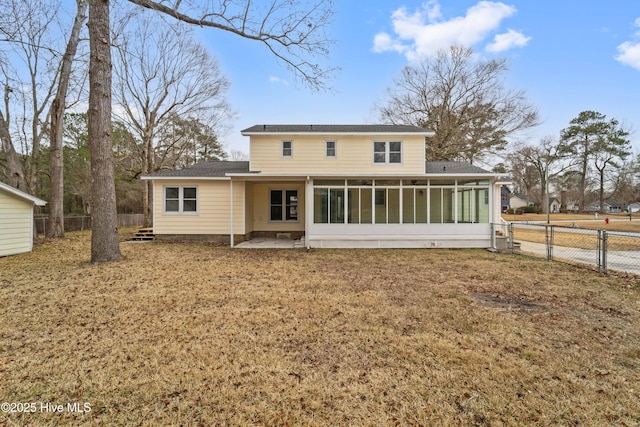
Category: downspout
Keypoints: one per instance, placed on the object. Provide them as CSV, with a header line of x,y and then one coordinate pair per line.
x,y
231,210
308,210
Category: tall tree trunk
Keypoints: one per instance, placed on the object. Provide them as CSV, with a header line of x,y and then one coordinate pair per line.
x,y
55,226
583,185
104,234
601,171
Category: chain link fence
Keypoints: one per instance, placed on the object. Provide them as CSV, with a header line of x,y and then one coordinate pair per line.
x,y
83,222
600,250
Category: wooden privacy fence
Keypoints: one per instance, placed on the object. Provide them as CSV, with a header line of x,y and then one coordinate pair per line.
x,y
83,222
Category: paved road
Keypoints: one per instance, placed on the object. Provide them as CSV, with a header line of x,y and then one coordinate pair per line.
x,y
628,261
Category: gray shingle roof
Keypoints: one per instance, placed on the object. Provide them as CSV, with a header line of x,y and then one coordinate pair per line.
x,y
206,169
335,129
453,168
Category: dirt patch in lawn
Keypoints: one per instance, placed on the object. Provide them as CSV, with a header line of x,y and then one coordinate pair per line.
x,y
511,302
190,334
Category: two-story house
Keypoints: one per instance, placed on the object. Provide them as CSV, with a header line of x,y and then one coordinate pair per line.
x,y
332,186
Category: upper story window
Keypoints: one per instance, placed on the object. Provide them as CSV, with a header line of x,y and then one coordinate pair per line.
x,y
330,148
387,152
180,199
287,148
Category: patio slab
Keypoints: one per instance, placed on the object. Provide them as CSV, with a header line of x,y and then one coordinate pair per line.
x,y
266,243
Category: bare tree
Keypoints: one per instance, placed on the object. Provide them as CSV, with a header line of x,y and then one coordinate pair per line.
x,y
55,226
238,155
293,30
162,74
104,230
29,84
463,100
546,159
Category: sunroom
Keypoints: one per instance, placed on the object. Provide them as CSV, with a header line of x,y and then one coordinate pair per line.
x,y
399,212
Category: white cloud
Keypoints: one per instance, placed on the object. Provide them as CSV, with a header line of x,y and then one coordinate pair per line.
x,y
508,40
424,32
382,42
629,52
278,80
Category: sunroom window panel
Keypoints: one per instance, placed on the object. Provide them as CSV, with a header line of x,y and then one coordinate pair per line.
x,y
482,206
448,205
435,207
465,203
421,205
336,200
381,206
321,205
407,206
366,201
393,206
353,197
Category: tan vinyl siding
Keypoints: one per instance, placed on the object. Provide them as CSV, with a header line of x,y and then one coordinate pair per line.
x,y
354,154
213,214
15,225
262,208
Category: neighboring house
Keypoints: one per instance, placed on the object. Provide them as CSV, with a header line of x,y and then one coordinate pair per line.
x,y
16,220
333,186
634,207
505,198
520,201
554,205
609,207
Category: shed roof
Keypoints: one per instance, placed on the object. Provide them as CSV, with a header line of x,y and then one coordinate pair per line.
x,y
21,194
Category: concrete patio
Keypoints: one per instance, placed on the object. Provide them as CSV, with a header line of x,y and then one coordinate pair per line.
x,y
266,243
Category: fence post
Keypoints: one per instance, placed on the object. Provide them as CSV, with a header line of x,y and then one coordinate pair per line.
x,y
604,251
510,238
549,239
598,251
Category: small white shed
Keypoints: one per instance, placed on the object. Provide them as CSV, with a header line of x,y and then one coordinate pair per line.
x,y
16,220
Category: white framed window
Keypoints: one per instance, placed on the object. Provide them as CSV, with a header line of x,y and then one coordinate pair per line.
x,y
330,149
387,152
287,148
180,199
283,205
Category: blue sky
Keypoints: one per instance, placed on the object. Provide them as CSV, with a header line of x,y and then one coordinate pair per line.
x,y
568,55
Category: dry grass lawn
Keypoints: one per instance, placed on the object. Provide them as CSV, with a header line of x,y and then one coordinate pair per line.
x,y
196,335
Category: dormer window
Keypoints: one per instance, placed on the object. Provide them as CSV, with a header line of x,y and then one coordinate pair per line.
x,y
387,152
287,148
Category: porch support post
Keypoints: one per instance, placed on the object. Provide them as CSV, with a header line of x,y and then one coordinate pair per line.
x,y
231,210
